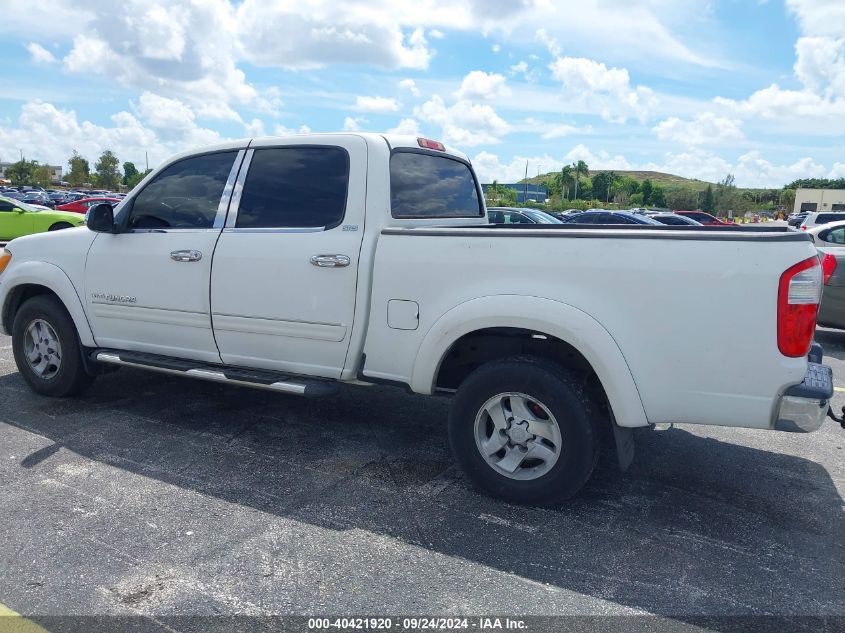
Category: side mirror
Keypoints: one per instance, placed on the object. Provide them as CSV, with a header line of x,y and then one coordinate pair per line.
x,y
101,218
20,210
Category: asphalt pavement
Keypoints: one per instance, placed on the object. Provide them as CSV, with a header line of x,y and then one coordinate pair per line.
x,y
159,497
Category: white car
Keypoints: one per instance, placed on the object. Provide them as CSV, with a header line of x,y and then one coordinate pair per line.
x,y
293,264
821,217
830,234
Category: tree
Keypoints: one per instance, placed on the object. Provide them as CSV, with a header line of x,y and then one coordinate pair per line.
x,y
80,171
496,193
129,173
108,172
645,189
580,167
658,197
567,180
21,172
787,199
682,199
602,185
41,175
141,175
709,204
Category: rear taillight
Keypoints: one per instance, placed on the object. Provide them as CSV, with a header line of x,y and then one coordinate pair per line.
x,y
799,292
828,267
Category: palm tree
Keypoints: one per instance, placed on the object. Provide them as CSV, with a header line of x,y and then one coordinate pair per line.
x,y
580,168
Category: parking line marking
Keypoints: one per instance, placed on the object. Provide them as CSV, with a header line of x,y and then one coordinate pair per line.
x,y
14,622
839,388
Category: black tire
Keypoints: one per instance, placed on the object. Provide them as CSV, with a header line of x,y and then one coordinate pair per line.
x,y
71,377
58,226
562,394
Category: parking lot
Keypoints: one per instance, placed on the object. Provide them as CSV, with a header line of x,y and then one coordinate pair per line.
x,y
159,497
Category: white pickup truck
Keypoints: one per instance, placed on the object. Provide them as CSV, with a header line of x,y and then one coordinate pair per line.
x,y
294,264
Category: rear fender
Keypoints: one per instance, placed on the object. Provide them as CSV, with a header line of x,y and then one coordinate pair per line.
x,y
544,316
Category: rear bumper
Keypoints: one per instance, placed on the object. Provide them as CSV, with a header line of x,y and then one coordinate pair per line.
x,y
803,407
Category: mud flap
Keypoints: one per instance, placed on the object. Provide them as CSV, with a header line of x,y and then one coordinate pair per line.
x,y
624,438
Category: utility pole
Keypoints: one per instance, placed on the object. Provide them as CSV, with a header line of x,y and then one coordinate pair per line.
x,y
525,185
577,178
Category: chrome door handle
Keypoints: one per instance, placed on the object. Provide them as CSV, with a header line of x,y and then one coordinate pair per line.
x,y
186,256
330,261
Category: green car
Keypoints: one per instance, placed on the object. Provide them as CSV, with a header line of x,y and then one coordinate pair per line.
x,y
18,218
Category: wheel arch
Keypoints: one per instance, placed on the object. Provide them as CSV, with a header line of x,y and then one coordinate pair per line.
x,y
29,279
574,338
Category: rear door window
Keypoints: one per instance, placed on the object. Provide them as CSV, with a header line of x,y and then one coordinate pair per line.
x,y
295,187
429,186
824,218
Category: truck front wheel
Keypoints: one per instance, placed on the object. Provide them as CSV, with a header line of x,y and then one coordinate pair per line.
x,y
523,429
46,348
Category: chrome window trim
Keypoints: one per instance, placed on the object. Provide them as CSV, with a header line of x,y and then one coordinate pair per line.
x,y
173,230
237,191
226,196
291,229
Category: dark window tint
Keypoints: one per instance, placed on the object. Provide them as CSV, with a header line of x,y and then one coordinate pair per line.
x,y
837,207
583,218
6,206
809,206
185,195
824,218
426,186
295,187
834,236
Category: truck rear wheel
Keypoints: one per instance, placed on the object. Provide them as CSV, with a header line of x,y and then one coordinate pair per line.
x,y
523,429
46,348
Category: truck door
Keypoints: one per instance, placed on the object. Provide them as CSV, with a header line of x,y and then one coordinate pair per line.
x,y
286,266
146,288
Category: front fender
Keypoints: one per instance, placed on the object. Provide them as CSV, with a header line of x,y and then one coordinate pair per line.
x,y
55,279
545,316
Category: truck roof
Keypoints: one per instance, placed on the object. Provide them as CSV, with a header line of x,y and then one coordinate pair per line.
x,y
392,140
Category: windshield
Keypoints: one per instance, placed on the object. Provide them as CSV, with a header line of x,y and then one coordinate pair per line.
x,y
540,217
19,203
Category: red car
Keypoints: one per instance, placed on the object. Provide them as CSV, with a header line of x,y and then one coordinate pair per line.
x,y
704,218
82,206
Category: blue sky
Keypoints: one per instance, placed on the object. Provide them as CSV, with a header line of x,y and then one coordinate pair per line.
x,y
701,89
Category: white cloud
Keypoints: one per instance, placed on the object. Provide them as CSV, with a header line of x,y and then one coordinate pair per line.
x,y
351,124
410,85
254,128
283,130
377,104
49,134
165,114
482,85
520,68
320,32
407,127
496,48
39,54
563,129
603,89
490,167
464,123
601,160
706,128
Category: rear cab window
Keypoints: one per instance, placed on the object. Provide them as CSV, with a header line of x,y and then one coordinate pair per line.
x,y
425,185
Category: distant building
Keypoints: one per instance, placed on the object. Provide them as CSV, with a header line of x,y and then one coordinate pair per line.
x,y
530,193
819,200
55,171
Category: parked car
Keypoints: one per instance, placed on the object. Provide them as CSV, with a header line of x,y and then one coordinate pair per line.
x,y
704,218
312,275
674,219
831,234
510,215
38,197
817,218
82,206
608,217
18,218
795,219
832,307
